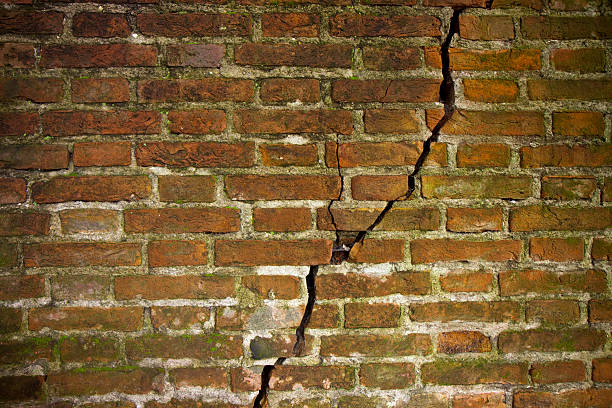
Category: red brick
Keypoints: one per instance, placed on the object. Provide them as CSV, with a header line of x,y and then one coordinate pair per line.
x,y
286,378
556,249
21,287
100,25
391,121
195,55
324,317
463,342
91,188
566,156
558,372
102,154
486,60
391,58
568,187
473,27
600,310
602,249
80,287
194,24
466,372
281,187
26,350
195,90
197,121
24,223
476,187
474,219
376,345
21,388
555,312
8,255
358,315
290,90
195,154
31,89
551,340
89,220
378,251
465,311
309,55
528,281
566,28
590,397
366,154
26,22
97,90
357,25
581,60
559,89
288,154
94,381
214,377
88,349
42,157
182,220
447,250
578,124
281,219
199,346
548,218
490,90
385,90
81,254
490,123
273,287
86,318
179,317
187,188
378,188
98,56
177,253
18,123
154,287
289,121
488,400
290,25
387,376
10,319
397,219
12,190
17,55
253,253
466,282
353,285
602,370
69,123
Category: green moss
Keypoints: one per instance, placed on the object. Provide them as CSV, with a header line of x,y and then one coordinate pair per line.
x,y
566,343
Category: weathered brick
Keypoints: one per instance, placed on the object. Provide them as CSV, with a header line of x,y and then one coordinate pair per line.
x,y
378,188
30,157
197,121
506,187
454,3
18,124
358,315
466,282
288,154
566,156
72,123
548,218
607,190
27,349
602,370
177,253
22,388
521,282
214,377
425,399
194,24
556,249
467,372
387,376
102,154
290,121
195,55
551,340
91,188
31,89
572,5
187,188
89,349
195,90
372,345
568,187
290,24
397,219
463,342
378,251
490,90
566,89
556,312
447,250
190,403
173,287
199,346
391,121
364,154
281,187
354,285
89,221
566,28
98,56
357,25
580,124
104,25
26,22
558,372
273,286
309,55
290,90
22,287
10,319
581,60
96,90
490,123
487,400
80,287
590,397
24,223
391,58
462,59
473,27
602,249
178,317
17,55
474,219
385,90
126,380
86,318
600,311
276,346
252,253
182,220
195,154
81,254
465,311
286,378
324,317
8,255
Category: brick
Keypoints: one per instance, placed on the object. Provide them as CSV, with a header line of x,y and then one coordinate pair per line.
x,y
465,311
473,27
91,188
187,188
290,252
102,154
273,287
86,318
104,25
580,124
26,350
391,121
474,219
548,218
566,156
188,403
303,55
289,121
72,123
80,287
466,372
173,287
290,3
551,340
607,190
177,253
365,154
8,255
81,254
24,223
490,90
12,190
18,124
198,346
580,60
385,90
97,90
282,187
89,221
354,285
37,90
387,376
25,22
378,251
286,378
602,249
197,121
487,400
195,55
454,3
391,58
572,5
41,157
534,281
126,380
214,377
462,59
290,25
358,315
555,312
490,123
466,282
430,400
600,311
10,319
556,249
21,287
558,372
463,342
288,155
397,219
195,154
372,345
98,56
182,220
290,90
89,349
195,90
357,25
566,28
559,89
447,250
179,317
324,317
503,187
277,345
378,188
602,370
17,55
591,397
193,24
22,388
568,187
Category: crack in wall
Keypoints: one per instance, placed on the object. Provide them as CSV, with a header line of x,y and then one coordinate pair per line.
x,y
341,251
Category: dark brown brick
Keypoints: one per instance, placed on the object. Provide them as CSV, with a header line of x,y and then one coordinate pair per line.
x,y
194,24
69,123
104,25
490,123
26,22
177,253
391,58
98,56
551,340
309,55
195,154
31,89
96,90
397,219
89,349
385,90
354,285
29,157
391,121
80,287
200,346
18,123
21,287
81,254
182,220
568,187
290,90
281,187
357,25
289,121
187,188
197,121
21,388
373,345
195,90
566,28
17,55
358,315
102,154
566,89
387,376
24,223
473,27
549,218
89,220
128,380
195,55
558,372
290,24
86,318
366,154
91,188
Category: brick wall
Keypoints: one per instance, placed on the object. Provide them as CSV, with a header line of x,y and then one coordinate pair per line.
x,y
171,172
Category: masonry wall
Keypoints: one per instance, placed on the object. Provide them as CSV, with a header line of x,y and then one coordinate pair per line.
x,y
171,170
